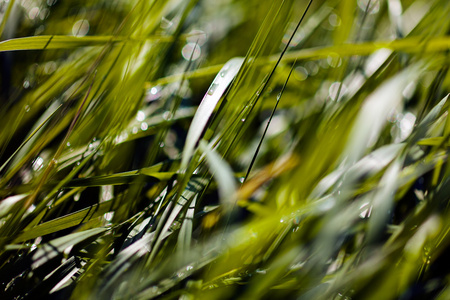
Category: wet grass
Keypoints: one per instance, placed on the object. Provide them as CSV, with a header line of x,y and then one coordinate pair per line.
x,y
224,149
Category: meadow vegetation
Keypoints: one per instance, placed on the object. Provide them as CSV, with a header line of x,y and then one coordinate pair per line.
x,y
193,149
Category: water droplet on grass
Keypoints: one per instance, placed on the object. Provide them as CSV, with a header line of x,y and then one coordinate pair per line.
x,y
167,115
153,94
334,20
108,216
212,88
140,115
166,23
144,126
38,163
33,13
336,91
301,73
334,60
80,28
312,68
373,8
191,51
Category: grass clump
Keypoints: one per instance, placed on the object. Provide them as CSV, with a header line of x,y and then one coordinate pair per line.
x,y
224,149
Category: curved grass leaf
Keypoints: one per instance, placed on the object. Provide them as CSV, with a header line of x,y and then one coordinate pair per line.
x,y
206,108
374,113
223,175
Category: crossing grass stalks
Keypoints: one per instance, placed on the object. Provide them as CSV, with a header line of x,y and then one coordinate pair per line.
x,y
283,149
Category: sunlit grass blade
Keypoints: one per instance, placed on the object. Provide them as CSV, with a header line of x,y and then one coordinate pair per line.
x,y
223,175
51,250
46,42
28,138
206,108
121,178
312,164
64,222
374,113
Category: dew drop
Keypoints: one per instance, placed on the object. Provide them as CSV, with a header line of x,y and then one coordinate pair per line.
x,y
44,14
153,90
38,163
301,73
312,68
166,23
167,115
50,67
153,94
372,7
140,115
33,13
144,126
334,60
191,51
334,20
337,90
180,274
80,28
108,216
31,208
212,89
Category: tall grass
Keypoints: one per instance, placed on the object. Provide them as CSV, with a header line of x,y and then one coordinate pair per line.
x,y
224,149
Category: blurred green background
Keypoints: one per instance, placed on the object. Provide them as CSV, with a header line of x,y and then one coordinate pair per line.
x,y
136,163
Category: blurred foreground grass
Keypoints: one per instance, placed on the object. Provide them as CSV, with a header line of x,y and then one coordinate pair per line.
x,y
315,167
